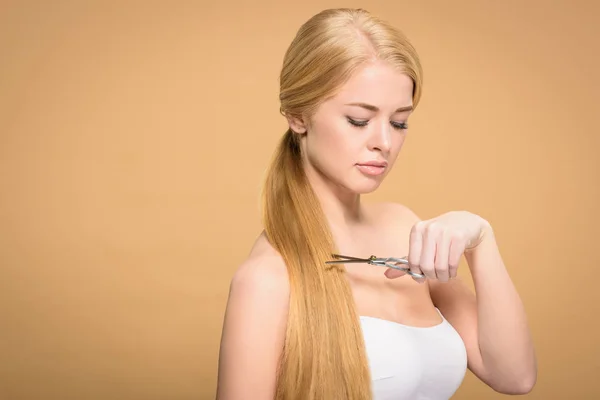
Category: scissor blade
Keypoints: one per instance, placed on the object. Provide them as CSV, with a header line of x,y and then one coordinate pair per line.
x,y
350,258
353,261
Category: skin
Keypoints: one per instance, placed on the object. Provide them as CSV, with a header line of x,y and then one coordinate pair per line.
x,y
493,325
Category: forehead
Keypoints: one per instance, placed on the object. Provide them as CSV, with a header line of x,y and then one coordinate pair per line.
x,y
379,84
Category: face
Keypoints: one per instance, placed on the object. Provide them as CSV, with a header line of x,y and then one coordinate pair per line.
x,y
354,138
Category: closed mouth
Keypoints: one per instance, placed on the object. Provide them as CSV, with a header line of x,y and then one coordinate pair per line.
x,y
380,164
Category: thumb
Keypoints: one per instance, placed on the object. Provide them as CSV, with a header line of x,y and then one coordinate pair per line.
x,y
393,273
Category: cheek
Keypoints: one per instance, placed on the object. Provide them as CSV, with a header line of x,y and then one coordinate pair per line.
x,y
332,147
347,148
336,138
334,133
399,141
397,146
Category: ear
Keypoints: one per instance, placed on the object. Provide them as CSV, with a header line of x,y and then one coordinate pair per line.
x,y
297,124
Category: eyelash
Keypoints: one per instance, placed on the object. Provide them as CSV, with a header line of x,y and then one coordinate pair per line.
x,y
361,124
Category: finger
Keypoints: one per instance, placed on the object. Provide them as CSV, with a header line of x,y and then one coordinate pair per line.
x,y
430,239
441,257
415,246
394,273
457,248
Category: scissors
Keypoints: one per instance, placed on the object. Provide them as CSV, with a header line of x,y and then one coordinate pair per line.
x,y
390,262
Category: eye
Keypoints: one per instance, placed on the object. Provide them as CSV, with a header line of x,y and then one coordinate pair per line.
x,y
396,125
357,123
400,125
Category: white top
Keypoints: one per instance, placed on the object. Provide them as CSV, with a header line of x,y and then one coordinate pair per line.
x,y
416,363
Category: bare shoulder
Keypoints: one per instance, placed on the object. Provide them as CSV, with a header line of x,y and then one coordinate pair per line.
x,y
259,286
254,326
393,214
264,269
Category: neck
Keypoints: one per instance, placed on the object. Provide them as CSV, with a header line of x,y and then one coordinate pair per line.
x,y
341,207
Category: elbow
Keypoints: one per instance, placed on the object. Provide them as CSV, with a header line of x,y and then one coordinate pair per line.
x,y
518,386
517,377
528,384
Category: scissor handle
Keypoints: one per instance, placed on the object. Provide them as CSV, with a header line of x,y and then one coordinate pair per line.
x,y
402,260
392,262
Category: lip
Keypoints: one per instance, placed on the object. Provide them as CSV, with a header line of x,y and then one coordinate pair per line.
x,y
380,164
372,168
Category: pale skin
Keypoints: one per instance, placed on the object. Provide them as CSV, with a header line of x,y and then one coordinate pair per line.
x,y
493,324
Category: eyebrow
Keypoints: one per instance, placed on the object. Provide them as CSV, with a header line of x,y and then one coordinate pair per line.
x,y
374,108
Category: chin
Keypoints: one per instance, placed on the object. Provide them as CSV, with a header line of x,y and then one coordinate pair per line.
x,y
365,186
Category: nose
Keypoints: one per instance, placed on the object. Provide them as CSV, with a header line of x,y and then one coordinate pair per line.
x,y
380,138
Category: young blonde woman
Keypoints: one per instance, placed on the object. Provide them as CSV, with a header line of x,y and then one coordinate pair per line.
x,y
299,328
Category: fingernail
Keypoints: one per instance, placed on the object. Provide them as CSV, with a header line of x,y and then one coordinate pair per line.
x,y
390,274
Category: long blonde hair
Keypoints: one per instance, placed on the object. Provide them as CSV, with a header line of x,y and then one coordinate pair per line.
x,y
324,355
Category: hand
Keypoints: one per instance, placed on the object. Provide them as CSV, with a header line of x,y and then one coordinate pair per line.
x,y
436,245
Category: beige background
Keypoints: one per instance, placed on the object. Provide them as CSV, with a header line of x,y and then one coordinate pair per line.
x,y
133,141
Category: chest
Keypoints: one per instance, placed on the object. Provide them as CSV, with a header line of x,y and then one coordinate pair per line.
x,y
413,363
402,299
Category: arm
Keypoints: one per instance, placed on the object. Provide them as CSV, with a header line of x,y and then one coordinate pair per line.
x,y
493,324
253,330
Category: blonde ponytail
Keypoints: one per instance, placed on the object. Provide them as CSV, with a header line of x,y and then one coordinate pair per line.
x,y
324,356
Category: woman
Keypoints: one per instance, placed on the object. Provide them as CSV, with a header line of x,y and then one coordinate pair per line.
x,y
298,328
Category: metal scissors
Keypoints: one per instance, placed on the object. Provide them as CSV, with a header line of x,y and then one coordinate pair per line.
x,y
390,262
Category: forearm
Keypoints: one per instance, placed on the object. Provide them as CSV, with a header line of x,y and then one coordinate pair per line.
x,y
504,338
